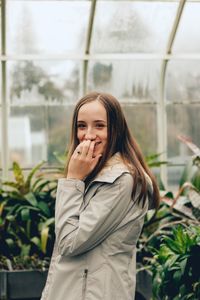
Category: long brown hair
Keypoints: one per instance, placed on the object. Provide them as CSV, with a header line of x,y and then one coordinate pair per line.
x,y
119,140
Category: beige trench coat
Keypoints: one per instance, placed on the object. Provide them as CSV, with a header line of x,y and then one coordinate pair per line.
x,y
97,229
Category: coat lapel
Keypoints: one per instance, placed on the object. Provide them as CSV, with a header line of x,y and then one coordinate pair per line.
x,y
113,169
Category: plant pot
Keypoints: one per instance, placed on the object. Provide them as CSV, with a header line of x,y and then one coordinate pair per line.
x,y
28,285
22,284
143,285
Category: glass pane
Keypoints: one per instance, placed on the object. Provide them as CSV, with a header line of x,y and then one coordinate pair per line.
x,y
42,27
142,122
36,83
128,80
182,119
183,80
174,174
188,38
35,133
132,26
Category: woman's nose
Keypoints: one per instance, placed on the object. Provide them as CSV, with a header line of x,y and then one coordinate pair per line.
x,y
90,135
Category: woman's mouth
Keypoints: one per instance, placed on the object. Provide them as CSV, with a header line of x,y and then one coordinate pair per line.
x,y
96,145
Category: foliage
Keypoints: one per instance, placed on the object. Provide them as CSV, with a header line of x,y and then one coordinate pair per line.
x,y
176,274
27,215
27,75
26,262
192,169
182,210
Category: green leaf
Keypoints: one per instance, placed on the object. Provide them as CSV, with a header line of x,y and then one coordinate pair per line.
x,y
30,208
11,184
1,207
30,197
171,261
196,179
152,160
10,218
169,195
31,174
173,245
183,264
10,243
36,241
25,214
25,250
44,208
47,223
36,182
42,185
44,238
177,276
164,253
19,177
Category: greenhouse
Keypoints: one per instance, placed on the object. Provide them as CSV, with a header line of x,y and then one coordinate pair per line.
x,y
147,55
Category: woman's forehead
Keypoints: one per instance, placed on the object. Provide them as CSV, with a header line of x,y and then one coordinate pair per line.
x,y
92,110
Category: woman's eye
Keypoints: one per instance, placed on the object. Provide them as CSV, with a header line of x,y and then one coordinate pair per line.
x,y
100,125
81,125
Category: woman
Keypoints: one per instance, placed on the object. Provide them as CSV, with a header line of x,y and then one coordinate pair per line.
x,y
100,207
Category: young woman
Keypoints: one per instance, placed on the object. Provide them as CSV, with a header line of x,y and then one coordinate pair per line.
x,y
100,207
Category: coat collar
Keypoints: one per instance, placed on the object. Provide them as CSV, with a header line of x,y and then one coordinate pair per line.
x,y
113,169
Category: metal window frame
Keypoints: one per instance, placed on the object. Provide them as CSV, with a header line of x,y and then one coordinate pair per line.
x,y
161,106
4,106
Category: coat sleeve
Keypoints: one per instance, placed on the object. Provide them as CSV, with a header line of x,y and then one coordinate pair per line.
x,y
78,231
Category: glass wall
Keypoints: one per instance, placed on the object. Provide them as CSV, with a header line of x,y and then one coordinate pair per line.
x,y
146,53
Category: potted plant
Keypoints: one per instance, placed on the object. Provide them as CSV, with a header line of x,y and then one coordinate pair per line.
x,y
26,233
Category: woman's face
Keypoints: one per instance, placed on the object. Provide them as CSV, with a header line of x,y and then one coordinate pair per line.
x,y
92,125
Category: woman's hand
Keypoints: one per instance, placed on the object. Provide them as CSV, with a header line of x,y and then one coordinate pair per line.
x,y
82,162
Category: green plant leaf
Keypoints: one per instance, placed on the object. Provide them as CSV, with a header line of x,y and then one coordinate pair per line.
x,y
19,177
44,207
196,179
30,208
10,243
1,207
36,182
47,223
164,253
10,218
14,185
30,197
41,186
25,213
183,264
172,245
44,238
25,250
31,174
177,276
171,260
36,241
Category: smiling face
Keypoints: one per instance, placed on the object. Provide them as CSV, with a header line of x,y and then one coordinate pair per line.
x,y
92,125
